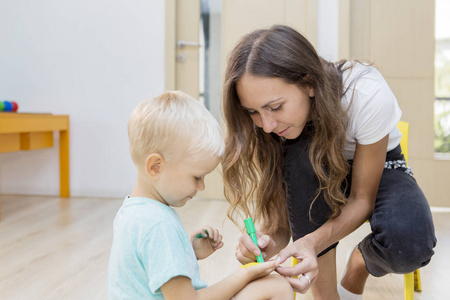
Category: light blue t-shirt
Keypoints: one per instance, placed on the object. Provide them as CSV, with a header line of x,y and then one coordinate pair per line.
x,y
150,247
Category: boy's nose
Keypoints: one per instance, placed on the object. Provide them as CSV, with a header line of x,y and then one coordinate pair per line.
x,y
201,185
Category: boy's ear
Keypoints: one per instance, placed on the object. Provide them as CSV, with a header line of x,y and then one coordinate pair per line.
x,y
153,164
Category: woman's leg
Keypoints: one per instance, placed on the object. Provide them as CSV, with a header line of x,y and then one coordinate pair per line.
x,y
305,216
355,273
402,238
325,285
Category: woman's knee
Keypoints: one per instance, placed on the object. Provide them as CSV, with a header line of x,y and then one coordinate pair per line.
x,y
406,249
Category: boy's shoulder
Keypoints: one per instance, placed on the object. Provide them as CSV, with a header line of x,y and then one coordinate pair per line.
x,y
138,211
144,202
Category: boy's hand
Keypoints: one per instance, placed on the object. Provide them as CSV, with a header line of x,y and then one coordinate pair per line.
x,y
259,270
205,241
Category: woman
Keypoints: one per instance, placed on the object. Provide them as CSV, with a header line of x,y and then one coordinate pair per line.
x,y
312,152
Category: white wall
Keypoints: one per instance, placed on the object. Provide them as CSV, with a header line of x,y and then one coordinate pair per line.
x,y
94,60
328,29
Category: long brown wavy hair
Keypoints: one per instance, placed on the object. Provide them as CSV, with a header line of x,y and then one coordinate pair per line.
x,y
252,164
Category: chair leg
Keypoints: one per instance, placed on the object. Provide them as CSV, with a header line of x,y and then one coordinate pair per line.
x,y
409,286
417,283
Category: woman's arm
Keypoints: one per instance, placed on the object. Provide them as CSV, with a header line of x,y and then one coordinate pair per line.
x,y
368,166
180,287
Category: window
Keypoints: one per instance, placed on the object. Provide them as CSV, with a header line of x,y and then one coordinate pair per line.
x,y
210,44
442,79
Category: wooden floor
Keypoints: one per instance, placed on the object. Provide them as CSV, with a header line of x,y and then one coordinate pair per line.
x,y
52,248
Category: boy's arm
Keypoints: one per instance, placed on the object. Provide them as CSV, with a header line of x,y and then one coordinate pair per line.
x,y
180,287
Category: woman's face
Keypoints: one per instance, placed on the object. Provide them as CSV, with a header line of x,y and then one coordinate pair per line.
x,y
274,105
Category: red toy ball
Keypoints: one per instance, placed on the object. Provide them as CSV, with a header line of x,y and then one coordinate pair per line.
x,y
15,106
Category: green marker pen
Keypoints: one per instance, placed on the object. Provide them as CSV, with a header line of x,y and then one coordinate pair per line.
x,y
250,227
202,235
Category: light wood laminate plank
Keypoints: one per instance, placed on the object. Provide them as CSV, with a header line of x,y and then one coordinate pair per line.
x,y
58,248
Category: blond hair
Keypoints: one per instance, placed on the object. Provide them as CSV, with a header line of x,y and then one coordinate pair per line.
x,y
174,125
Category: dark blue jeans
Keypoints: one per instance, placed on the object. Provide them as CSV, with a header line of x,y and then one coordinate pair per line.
x,y
402,238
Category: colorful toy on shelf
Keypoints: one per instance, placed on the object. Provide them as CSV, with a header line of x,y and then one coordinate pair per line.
x,y
9,106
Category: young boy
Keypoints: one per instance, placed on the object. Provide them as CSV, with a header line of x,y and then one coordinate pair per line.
x,y
174,143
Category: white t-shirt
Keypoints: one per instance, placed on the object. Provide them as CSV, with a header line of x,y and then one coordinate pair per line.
x,y
374,111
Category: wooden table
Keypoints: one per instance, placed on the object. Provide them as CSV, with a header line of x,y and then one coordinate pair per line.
x,y
23,131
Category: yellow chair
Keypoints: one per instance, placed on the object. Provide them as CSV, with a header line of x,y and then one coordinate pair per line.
x,y
412,280
404,129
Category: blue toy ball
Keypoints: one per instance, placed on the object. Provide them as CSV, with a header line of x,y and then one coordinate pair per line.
x,y
8,106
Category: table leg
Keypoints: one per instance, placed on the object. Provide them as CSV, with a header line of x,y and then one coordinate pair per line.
x,y
64,164
0,205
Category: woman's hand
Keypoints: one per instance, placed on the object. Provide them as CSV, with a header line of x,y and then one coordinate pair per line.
x,y
246,250
205,241
307,268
